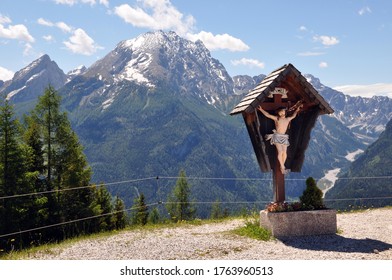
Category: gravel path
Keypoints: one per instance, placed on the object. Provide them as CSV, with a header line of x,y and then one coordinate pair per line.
x,y
365,235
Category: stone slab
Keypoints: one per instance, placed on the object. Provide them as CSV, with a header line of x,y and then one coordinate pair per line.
x,y
299,223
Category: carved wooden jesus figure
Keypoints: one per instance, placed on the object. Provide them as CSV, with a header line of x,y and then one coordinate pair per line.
x,y
279,138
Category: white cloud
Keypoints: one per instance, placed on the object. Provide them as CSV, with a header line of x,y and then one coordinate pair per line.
x,y
6,74
155,14
302,28
4,19
64,27
18,32
91,2
66,2
45,22
326,40
48,38
323,64
310,53
104,2
73,2
135,16
28,48
162,15
219,41
81,43
364,10
379,89
249,62
61,25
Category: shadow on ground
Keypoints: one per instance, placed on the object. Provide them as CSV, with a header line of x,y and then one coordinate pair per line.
x,y
336,243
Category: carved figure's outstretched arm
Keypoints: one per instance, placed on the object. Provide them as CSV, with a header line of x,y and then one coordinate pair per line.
x,y
265,113
295,112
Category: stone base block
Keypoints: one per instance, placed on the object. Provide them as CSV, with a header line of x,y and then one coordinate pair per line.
x,y
299,223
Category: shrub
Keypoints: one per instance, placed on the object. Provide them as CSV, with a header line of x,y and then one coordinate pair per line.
x,y
312,197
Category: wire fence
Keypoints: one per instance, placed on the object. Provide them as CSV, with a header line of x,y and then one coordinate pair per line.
x,y
157,180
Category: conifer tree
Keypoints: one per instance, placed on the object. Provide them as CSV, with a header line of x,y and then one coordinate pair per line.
x,y
14,177
216,211
154,216
179,206
32,138
119,217
65,164
312,196
102,205
140,215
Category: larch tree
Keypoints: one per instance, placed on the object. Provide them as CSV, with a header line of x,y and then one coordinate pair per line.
x,y
65,165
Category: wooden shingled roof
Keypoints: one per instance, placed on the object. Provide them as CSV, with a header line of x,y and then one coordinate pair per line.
x,y
290,78
284,87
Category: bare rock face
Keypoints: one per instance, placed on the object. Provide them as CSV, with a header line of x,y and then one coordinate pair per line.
x,y
30,82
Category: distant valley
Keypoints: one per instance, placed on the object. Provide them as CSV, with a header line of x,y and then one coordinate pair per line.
x,y
159,103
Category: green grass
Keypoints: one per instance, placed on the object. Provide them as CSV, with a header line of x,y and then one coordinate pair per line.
x,y
252,228
254,231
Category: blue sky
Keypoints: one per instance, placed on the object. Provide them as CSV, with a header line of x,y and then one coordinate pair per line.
x,y
347,44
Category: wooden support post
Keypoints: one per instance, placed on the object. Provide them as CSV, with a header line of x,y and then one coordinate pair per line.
x,y
278,177
278,183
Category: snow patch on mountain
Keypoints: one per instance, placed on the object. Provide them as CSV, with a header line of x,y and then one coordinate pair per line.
x,y
328,181
14,92
107,103
76,72
352,156
133,71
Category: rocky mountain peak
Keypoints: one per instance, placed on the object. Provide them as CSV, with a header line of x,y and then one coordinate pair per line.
x,y
33,68
244,83
165,57
314,81
152,40
75,72
32,80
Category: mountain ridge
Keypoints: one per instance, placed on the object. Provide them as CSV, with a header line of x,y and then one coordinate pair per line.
x,y
141,112
373,171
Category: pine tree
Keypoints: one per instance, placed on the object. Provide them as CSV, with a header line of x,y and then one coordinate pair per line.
x,y
119,217
154,217
14,176
102,205
140,215
39,212
216,210
179,206
32,138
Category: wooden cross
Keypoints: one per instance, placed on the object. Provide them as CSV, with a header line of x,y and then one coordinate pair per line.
x,y
278,176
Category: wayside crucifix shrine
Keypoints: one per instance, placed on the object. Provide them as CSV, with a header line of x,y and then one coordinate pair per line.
x,y
279,115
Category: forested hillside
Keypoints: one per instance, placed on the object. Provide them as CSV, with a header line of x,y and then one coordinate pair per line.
x,y
44,180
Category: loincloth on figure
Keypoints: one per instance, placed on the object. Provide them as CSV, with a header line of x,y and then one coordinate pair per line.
x,y
278,138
